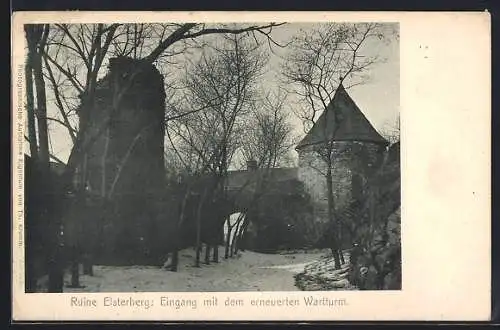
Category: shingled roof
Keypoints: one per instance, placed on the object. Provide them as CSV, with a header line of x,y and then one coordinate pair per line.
x,y
350,124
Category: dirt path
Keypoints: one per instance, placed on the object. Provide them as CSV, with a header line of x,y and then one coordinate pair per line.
x,y
250,272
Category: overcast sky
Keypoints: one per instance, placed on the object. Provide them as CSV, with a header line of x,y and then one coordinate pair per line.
x,y
378,98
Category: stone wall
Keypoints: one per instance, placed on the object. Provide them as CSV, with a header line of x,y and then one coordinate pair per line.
x,y
136,128
128,157
312,172
347,177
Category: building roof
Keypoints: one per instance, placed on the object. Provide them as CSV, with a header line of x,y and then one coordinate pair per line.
x,y
350,124
238,179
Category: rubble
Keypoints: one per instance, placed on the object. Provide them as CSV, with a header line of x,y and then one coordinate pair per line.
x,y
321,275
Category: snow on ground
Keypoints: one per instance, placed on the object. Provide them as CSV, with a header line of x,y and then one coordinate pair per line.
x,y
250,271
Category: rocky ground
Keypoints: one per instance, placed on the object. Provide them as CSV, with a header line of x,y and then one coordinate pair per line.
x,y
321,275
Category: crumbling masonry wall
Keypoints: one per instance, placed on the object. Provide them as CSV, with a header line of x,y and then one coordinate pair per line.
x,y
126,163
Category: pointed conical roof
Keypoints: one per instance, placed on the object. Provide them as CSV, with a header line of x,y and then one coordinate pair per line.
x,y
342,121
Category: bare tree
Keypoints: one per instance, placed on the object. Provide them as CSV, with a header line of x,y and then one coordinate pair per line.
x,y
37,36
321,60
32,38
186,169
91,45
223,82
74,55
73,58
268,136
267,141
327,56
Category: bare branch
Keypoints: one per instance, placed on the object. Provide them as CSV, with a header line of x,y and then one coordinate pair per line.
x,y
326,57
67,72
55,89
183,33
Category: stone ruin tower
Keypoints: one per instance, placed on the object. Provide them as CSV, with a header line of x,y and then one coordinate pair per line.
x,y
357,145
125,166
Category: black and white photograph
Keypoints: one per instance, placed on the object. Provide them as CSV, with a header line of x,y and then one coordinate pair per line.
x,y
212,157
263,166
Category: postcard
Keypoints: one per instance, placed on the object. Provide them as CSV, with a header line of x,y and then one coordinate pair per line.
x,y
291,166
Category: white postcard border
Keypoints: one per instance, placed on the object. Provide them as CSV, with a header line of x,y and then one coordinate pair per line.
x,y
445,120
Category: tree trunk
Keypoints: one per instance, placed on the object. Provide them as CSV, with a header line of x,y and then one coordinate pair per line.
x,y
235,236
371,218
341,254
234,244
233,241
55,262
30,108
75,268
336,257
104,163
198,229
31,279
331,216
241,235
41,110
216,253
75,274
207,254
178,228
228,238
198,253
175,254
55,267
87,253
175,260
88,268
